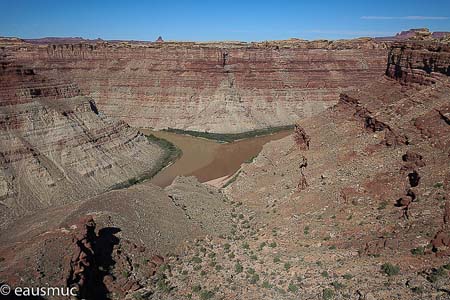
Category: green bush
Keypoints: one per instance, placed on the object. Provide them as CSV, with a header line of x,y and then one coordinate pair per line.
x,y
382,205
287,266
292,288
196,288
254,278
436,274
337,285
389,269
418,251
438,185
196,260
347,276
238,268
205,295
327,294
162,284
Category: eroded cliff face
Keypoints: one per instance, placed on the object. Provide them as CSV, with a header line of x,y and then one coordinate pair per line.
x,y
216,87
421,62
57,147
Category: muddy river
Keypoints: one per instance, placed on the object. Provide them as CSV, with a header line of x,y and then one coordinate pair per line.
x,y
207,159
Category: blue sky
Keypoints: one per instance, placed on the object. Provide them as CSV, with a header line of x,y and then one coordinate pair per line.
x,y
219,19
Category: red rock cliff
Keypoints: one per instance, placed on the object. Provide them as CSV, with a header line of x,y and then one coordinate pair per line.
x,y
219,87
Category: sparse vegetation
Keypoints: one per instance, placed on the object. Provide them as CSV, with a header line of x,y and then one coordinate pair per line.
x,y
292,288
438,185
233,179
327,294
205,295
254,278
390,269
436,274
227,138
162,284
287,266
238,268
196,288
262,245
126,274
382,205
418,251
196,260
171,153
347,276
337,285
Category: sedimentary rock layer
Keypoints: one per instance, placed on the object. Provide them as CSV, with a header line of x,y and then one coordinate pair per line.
x,y
362,184
55,145
217,87
422,63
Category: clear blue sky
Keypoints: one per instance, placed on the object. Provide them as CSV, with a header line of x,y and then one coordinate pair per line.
x,y
219,19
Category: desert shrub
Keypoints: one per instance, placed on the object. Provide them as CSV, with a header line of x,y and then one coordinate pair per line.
x,y
418,251
205,295
238,268
254,278
292,288
196,260
389,269
196,288
327,294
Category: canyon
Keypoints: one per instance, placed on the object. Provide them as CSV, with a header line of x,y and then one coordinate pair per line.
x,y
354,204
225,87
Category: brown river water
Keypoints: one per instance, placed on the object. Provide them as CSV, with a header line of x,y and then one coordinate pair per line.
x,y
207,159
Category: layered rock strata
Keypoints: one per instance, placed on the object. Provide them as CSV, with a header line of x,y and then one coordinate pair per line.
x,y
221,87
57,147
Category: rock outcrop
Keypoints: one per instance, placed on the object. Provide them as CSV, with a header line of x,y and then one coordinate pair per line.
x,y
422,63
222,87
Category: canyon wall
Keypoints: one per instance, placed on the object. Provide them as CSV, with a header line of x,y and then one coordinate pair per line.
x,y
55,145
216,87
421,62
